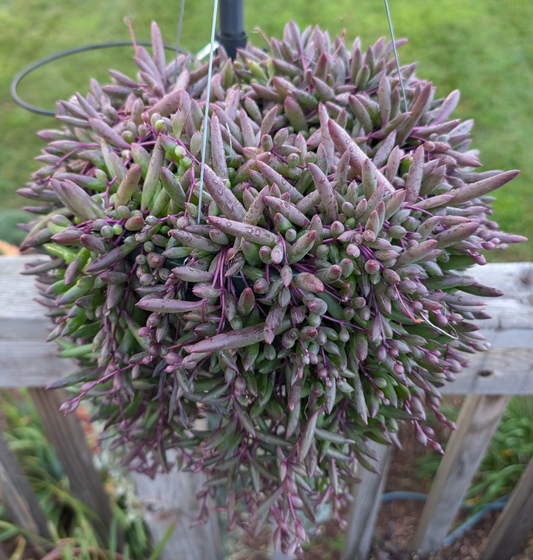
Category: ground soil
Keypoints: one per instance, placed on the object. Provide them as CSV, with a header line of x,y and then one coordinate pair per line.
x,y
397,520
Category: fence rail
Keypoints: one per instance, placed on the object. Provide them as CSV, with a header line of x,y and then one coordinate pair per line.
x,y
26,360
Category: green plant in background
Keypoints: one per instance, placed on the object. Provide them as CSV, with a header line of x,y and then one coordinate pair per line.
x,y
510,450
9,232
70,522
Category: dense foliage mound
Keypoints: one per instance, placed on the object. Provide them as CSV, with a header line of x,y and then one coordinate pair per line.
x,y
266,324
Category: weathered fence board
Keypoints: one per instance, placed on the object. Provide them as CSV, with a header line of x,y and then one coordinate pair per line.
x,y
277,555
365,508
67,436
480,416
170,499
514,523
37,360
26,359
500,371
18,498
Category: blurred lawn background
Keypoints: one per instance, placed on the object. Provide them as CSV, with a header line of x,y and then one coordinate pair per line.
x,y
482,47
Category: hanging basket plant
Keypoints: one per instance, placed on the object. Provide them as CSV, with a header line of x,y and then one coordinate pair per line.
x,y
304,298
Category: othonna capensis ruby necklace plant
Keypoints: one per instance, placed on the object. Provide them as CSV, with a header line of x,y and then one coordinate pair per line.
x,y
313,299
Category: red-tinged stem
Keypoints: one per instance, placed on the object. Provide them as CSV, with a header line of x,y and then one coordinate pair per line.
x,y
328,318
292,509
341,43
419,209
403,305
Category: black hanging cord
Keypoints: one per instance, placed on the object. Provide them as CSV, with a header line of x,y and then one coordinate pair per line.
x,y
231,34
21,75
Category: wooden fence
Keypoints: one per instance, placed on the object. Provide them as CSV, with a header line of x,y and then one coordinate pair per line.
x,y
507,369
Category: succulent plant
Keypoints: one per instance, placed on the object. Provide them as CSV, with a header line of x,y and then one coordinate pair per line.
x,y
312,300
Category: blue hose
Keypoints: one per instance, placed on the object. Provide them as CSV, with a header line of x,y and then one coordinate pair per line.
x,y
391,496
468,524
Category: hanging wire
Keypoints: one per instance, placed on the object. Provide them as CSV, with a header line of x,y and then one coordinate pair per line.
x,y
200,55
455,336
395,53
206,119
21,75
178,41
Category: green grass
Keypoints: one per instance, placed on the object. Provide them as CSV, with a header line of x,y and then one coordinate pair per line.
x,y
482,47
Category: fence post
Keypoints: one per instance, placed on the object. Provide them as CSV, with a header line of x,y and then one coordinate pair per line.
x,y
480,416
18,498
365,508
67,436
170,499
277,555
514,523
